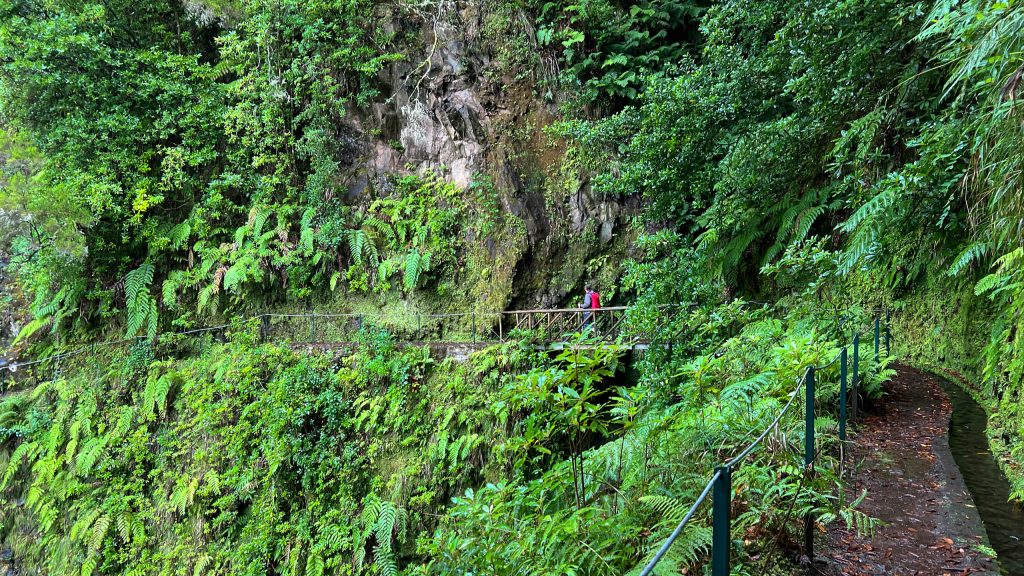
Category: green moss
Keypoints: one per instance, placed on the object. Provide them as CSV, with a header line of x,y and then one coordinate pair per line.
x,y
944,327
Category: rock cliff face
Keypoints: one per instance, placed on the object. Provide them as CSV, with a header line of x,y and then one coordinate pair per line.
x,y
456,107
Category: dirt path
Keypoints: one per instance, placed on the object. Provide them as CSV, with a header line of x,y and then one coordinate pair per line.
x,y
902,458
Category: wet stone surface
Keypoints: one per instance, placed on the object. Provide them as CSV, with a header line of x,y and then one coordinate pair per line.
x,y
902,458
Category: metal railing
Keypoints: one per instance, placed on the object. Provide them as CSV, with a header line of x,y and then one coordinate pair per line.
x,y
605,323
312,327
720,484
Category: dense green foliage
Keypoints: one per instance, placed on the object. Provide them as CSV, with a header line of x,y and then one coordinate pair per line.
x,y
210,154
608,49
252,459
888,128
166,163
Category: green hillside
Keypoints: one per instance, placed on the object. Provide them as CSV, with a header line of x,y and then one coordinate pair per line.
x,y
754,181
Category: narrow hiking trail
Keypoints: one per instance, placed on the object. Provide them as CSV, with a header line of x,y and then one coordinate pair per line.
x,y
901,457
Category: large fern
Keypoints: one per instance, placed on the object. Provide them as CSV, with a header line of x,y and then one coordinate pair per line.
x,y
383,521
141,307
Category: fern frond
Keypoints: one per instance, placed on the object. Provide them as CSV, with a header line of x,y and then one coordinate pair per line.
x,y
140,305
412,269
99,533
971,254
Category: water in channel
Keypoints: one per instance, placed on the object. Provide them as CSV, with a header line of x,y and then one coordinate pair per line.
x,y
1004,520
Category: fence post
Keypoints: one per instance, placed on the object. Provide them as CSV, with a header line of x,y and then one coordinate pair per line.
x,y
842,394
474,326
264,328
888,319
720,522
856,375
877,322
809,456
312,327
809,417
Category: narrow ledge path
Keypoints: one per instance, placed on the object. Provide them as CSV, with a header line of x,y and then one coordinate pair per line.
x,y
901,456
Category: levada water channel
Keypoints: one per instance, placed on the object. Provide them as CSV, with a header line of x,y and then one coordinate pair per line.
x,y
1004,520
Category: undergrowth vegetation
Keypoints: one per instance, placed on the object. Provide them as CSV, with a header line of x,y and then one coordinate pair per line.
x,y
170,165
249,458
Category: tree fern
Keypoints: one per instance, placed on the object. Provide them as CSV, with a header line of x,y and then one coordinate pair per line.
x,y
314,565
205,296
178,235
259,219
82,526
870,209
234,276
171,287
384,230
356,244
796,222
382,520
25,450
89,456
672,510
201,563
154,395
33,326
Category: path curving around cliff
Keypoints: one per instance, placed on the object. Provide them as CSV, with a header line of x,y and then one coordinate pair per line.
x,y
901,456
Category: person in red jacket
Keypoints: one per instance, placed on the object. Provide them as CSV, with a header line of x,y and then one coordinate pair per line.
x,y
591,302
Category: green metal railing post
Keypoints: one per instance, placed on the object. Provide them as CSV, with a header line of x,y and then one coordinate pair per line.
x,y
842,394
264,328
809,456
809,417
856,376
877,322
312,327
720,522
474,326
888,319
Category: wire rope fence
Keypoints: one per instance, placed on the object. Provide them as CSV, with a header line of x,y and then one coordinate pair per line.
x,y
317,328
312,327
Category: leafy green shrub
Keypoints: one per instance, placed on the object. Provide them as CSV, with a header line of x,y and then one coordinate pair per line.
x,y
609,49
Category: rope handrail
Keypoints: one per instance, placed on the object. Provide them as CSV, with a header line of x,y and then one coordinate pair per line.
x,y
714,478
554,310
750,448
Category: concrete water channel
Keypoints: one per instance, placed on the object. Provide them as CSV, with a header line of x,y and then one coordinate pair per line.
x,y
1003,520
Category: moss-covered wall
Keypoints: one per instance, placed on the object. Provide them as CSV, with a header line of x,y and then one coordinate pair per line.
x,y
945,327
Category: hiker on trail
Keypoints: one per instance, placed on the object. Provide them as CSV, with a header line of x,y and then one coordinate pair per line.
x,y
591,302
